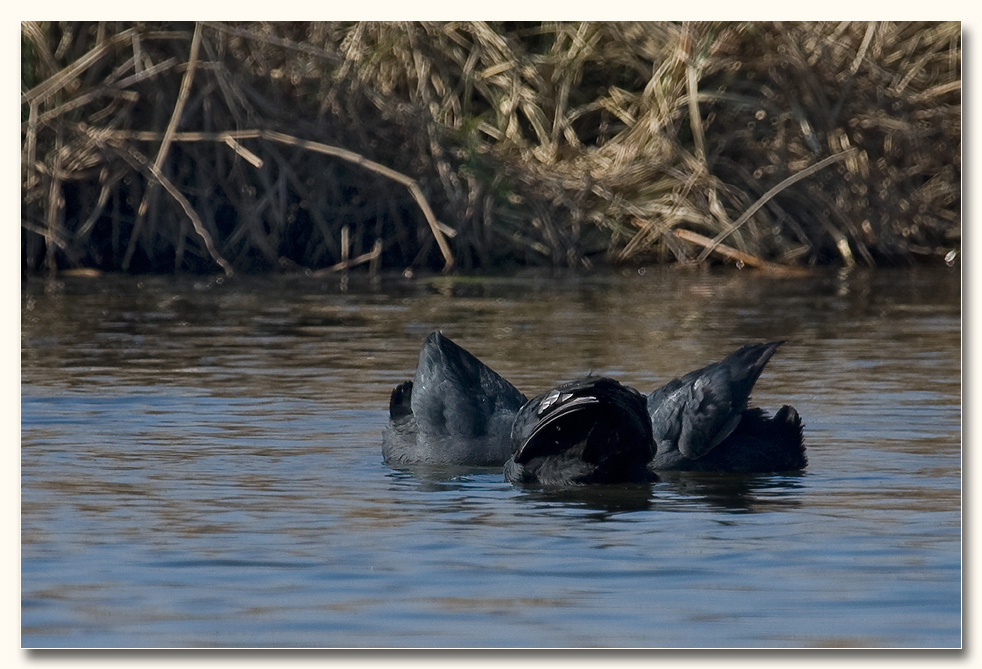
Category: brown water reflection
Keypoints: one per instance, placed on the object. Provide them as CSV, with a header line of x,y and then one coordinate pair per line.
x,y
201,465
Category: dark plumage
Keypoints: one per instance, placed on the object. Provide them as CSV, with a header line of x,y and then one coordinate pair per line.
x,y
593,430
701,421
456,410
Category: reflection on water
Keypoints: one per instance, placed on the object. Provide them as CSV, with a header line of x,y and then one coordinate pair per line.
x,y
737,493
201,465
607,499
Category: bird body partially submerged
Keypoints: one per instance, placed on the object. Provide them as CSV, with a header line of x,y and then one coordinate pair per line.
x,y
701,421
593,430
457,411
758,445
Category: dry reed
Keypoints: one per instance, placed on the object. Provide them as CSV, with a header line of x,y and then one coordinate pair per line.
x,y
261,146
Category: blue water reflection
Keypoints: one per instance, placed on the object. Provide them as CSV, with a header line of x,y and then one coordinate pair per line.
x,y
201,466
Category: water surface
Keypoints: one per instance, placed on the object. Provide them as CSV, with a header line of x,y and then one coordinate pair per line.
x,y
201,466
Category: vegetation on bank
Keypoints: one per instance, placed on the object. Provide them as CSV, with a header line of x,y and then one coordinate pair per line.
x,y
263,146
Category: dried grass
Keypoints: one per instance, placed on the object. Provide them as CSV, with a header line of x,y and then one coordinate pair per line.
x,y
259,146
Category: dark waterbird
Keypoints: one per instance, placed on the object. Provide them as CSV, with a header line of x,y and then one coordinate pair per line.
x,y
701,421
457,411
593,430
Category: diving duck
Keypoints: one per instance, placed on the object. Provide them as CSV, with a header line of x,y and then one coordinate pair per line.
x,y
456,410
701,421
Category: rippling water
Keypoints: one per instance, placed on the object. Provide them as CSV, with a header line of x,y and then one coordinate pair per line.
x,y
201,466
